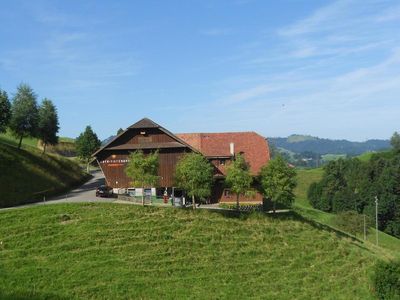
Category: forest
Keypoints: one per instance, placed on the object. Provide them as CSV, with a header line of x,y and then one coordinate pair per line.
x,y
354,185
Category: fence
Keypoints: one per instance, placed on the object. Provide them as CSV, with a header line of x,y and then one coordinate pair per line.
x,y
153,200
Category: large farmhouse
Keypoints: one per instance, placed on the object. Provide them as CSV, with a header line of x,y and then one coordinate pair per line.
x,y
148,136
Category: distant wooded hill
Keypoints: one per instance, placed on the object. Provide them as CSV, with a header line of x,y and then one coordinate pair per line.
x,y
305,143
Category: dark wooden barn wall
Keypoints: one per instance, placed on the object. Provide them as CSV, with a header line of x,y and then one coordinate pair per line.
x,y
219,196
114,162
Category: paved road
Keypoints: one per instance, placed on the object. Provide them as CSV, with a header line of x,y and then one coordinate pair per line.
x,y
84,193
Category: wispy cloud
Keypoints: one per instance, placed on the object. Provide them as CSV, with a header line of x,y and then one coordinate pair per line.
x,y
338,63
390,14
72,52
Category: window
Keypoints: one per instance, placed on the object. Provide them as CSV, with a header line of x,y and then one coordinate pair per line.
x,y
222,162
227,193
131,192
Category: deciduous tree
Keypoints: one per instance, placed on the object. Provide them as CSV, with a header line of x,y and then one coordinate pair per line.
x,y
24,113
86,144
143,170
278,182
48,123
194,174
238,178
5,111
395,141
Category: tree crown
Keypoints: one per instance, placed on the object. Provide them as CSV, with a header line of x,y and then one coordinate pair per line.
x,y
87,143
238,176
48,122
143,169
24,112
194,174
5,110
278,181
395,141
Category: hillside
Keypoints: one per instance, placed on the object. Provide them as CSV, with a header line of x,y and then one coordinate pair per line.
x,y
65,146
27,175
305,143
302,206
109,251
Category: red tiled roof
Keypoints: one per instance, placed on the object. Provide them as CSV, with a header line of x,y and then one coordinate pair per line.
x,y
253,146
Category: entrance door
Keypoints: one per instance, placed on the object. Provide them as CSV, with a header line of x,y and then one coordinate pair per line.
x,y
147,196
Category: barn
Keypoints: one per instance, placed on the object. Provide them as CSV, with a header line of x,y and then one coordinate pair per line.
x,y
148,136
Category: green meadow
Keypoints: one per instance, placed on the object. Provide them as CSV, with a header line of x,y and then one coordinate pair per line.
x,y
109,251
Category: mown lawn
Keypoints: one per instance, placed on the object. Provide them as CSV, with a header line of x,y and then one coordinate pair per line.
x,y
110,251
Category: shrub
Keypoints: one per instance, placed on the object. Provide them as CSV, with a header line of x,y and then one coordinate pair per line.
x,y
393,228
386,280
344,200
318,198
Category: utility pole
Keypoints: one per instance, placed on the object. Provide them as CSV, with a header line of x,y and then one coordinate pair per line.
x,y
376,219
365,229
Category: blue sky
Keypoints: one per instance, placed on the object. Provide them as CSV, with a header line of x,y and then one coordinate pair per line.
x,y
325,68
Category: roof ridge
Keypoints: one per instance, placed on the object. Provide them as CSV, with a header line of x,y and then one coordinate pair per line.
x,y
250,131
147,123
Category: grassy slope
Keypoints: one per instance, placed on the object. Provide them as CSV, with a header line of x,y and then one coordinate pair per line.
x,y
307,176
330,157
27,143
108,251
26,173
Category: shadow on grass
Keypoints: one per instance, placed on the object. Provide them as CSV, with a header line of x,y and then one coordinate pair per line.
x,y
19,174
291,216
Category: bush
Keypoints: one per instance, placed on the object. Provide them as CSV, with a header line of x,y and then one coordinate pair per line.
x,y
393,228
318,199
344,200
387,280
352,222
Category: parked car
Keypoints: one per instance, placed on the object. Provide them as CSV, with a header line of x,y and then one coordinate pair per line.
x,y
104,191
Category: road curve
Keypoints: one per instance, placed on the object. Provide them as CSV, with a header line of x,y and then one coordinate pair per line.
x,y
84,193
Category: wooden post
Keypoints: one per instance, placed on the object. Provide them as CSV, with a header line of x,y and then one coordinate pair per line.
x,y
143,195
365,229
376,220
20,142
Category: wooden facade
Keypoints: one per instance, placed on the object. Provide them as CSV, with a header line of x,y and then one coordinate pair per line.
x,y
148,136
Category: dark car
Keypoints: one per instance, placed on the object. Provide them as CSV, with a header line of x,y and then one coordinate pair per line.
x,y
104,191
